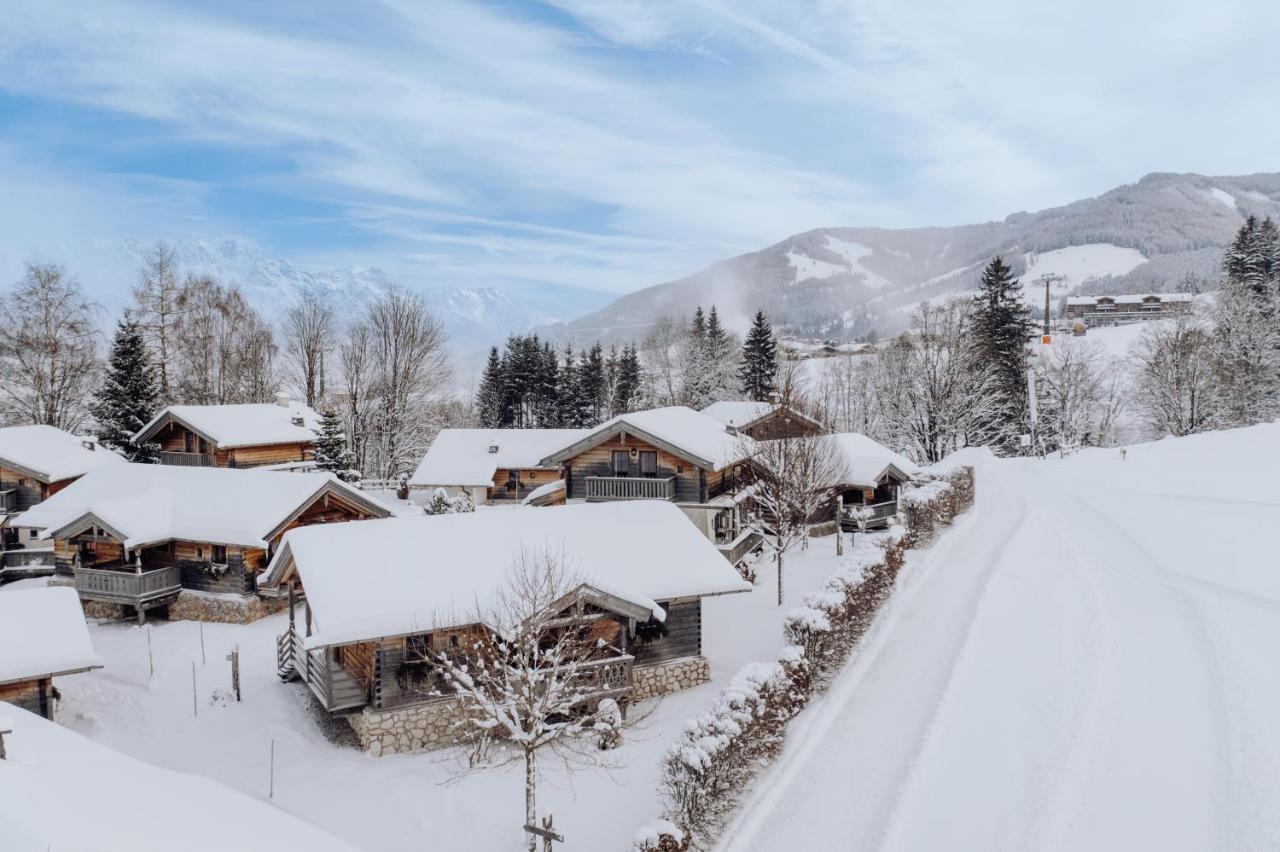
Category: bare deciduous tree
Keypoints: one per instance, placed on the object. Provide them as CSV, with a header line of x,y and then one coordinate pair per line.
x,y
524,684
1176,384
309,331
660,354
223,351
1080,394
158,311
48,349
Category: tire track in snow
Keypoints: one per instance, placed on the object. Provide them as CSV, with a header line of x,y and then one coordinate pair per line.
x,y
969,534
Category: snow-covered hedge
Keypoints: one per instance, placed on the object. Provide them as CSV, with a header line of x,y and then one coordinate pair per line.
x,y
719,752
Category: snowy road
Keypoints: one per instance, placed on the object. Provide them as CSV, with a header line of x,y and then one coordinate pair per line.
x,y
1083,662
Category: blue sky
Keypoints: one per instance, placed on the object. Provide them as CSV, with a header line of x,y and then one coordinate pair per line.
x,y
607,145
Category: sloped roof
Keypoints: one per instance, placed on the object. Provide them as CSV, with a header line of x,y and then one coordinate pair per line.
x,y
678,429
62,790
148,503
863,461
246,425
1132,298
462,457
50,454
42,634
739,413
440,571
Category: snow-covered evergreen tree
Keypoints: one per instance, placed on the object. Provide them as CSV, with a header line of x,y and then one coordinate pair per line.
x,y
332,453
626,388
759,370
722,360
1001,325
591,386
489,395
127,399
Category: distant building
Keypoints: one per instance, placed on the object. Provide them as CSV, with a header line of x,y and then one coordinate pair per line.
x,y
1110,310
249,435
763,420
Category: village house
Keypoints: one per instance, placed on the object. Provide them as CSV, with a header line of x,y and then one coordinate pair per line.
x,y
763,421
674,454
490,465
1111,310
370,626
869,480
139,537
37,462
61,790
43,635
281,434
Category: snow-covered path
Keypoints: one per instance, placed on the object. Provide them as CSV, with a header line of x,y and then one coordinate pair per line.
x,y
1083,662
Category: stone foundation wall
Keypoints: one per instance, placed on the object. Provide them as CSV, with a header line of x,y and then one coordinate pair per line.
x,y
191,606
419,727
665,678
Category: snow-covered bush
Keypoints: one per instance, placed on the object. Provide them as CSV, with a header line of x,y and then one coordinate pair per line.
x,y
935,502
442,504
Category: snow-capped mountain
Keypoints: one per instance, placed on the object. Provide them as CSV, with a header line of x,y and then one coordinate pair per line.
x,y
842,283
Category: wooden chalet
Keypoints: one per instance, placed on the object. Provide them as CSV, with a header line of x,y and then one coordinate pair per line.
x,y
37,462
251,435
763,421
674,454
43,635
370,626
138,535
490,465
870,478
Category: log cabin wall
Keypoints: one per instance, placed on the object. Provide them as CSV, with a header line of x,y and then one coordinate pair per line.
x,y
195,562
32,695
29,491
598,461
528,480
782,424
326,509
679,636
265,454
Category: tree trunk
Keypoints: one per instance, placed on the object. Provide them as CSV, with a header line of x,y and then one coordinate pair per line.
x,y
779,578
530,796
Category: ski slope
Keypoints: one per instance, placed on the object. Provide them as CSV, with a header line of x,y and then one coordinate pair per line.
x,y
1085,661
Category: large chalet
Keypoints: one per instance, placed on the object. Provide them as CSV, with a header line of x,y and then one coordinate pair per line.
x,y
640,574
137,536
248,435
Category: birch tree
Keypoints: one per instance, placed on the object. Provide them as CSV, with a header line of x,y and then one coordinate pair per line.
x,y
309,331
48,349
523,684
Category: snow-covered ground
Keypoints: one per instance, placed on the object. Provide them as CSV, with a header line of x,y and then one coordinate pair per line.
x,y
389,803
1085,661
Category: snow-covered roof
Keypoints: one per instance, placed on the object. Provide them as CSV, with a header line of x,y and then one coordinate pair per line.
x,y
49,454
246,425
739,413
149,503
408,575
544,490
1132,298
678,429
863,461
61,790
42,634
462,456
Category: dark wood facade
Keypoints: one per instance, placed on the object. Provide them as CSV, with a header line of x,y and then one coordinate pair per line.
x,y
181,446
782,422
515,484
628,456
27,489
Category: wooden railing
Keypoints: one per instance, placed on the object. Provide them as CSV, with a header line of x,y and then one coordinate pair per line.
x,y
336,688
126,586
186,459
9,500
737,550
631,488
607,677
879,516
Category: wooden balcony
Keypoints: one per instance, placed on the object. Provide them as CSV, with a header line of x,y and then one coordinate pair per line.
x,y
601,488
606,678
877,515
9,500
186,459
333,685
124,585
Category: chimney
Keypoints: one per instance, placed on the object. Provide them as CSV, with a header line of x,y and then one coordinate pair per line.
x,y
282,400
89,445
296,420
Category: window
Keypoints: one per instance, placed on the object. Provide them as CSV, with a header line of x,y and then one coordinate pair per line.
x,y
218,554
513,480
648,463
199,552
418,647
621,464
188,444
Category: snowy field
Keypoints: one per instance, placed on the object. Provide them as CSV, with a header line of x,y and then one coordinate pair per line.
x,y
1085,661
393,803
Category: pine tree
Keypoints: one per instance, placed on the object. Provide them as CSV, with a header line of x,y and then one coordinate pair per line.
x,y
591,385
569,414
1001,325
721,369
130,391
1246,336
332,453
759,370
489,395
626,388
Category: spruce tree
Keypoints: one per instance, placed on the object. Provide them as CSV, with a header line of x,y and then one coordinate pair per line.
x,y
1246,335
759,370
489,395
1001,326
569,414
627,386
127,398
720,359
591,385
331,453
